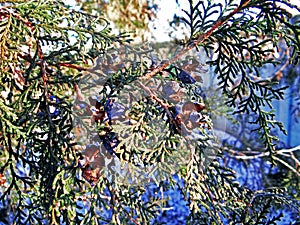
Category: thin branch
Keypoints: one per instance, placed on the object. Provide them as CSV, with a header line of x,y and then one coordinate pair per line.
x,y
287,165
201,38
288,150
243,156
73,66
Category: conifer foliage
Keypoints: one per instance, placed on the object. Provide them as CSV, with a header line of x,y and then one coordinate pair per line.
x,y
94,130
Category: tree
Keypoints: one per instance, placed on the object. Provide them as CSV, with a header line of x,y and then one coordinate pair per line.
x,y
97,131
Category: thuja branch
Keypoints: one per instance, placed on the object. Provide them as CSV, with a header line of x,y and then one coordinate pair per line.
x,y
199,40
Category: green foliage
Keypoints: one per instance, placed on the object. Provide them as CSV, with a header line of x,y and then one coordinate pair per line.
x,y
243,43
62,163
40,60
